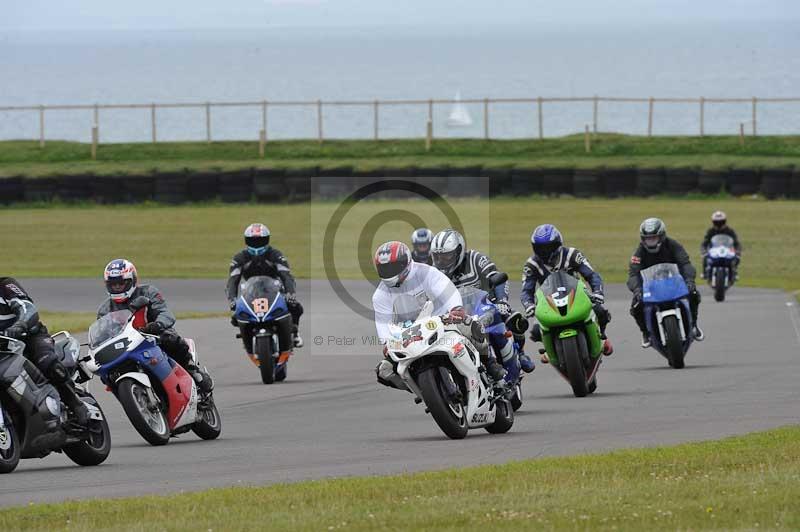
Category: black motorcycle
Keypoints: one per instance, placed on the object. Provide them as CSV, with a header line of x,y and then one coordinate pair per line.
x,y
33,418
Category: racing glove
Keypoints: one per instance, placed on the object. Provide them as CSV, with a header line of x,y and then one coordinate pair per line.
x,y
503,308
291,297
456,315
153,328
597,298
17,331
232,304
530,310
637,299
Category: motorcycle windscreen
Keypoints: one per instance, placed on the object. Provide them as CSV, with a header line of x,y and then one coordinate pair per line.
x,y
558,284
662,283
406,309
260,293
724,241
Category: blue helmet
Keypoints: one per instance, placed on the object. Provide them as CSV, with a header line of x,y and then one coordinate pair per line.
x,y
546,242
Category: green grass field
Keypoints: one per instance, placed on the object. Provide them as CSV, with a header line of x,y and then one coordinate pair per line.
x,y
744,483
80,321
60,157
197,241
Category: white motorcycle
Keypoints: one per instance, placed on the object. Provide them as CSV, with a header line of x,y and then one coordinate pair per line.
x,y
443,370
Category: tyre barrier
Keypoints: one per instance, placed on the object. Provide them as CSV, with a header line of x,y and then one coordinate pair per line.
x,y
743,181
680,180
619,182
650,181
588,182
526,181
12,190
236,187
776,182
557,181
712,181
304,184
171,187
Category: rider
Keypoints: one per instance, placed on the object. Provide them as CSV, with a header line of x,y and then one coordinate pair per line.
x,y
719,226
468,267
657,248
125,293
401,276
550,255
259,258
421,245
19,319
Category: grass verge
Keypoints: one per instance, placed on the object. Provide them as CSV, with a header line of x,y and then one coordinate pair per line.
x,y
80,321
61,157
197,241
748,482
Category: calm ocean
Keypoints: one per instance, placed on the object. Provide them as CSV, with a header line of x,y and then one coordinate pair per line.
x,y
732,60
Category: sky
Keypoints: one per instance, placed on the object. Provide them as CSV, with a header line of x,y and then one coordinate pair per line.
x,y
233,14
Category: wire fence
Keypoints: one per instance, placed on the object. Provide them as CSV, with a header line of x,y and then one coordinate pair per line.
x,y
373,111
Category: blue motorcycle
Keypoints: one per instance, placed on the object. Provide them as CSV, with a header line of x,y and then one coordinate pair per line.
x,y
258,308
719,265
477,304
665,297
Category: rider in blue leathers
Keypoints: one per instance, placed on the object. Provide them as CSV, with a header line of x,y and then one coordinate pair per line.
x,y
549,255
471,268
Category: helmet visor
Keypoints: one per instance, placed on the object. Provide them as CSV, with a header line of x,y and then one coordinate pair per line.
x,y
391,269
719,223
117,285
422,247
651,241
546,251
256,241
445,261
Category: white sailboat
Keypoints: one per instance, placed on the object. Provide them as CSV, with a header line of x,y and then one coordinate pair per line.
x,y
459,115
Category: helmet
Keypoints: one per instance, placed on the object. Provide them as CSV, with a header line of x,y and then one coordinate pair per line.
x,y
421,242
652,233
256,238
121,280
546,242
393,262
719,219
448,249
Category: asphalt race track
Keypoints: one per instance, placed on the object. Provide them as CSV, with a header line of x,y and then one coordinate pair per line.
x,y
330,418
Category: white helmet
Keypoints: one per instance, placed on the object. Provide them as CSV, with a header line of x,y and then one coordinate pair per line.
x,y
448,249
719,219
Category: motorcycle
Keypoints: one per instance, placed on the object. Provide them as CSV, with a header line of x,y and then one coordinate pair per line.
x,y
258,308
721,256
568,328
33,418
665,297
159,397
477,304
443,370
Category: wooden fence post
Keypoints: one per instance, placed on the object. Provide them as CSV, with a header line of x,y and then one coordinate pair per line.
x,y
41,126
264,118
96,120
428,135
587,140
430,115
741,134
594,114
375,118
486,119
262,139
208,122
541,121
650,117
94,143
702,116
755,130
319,121
153,122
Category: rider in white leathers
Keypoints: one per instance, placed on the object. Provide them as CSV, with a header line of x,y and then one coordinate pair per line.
x,y
401,276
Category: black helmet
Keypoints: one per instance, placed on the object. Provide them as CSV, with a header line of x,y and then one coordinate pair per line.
x,y
421,243
652,232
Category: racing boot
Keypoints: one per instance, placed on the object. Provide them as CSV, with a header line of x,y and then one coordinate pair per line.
x,y
388,377
57,374
526,362
205,384
645,339
495,369
608,349
698,333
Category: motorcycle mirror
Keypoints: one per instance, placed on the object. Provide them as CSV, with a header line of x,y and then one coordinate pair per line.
x,y
137,303
498,279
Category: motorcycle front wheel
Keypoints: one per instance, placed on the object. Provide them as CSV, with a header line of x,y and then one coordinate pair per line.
x,y
148,419
9,446
96,448
674,344
573,359
266,359
719,285
209,426
449,414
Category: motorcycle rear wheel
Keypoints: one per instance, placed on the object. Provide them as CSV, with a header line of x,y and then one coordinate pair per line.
x,y
209,426
263,351
150,423
9,449
504,418
674,344
449,415
516,399
571,351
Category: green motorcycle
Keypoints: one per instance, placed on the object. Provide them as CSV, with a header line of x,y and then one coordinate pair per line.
x,y
569,331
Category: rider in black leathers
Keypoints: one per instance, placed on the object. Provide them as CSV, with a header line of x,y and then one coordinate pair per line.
x,y
19,319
